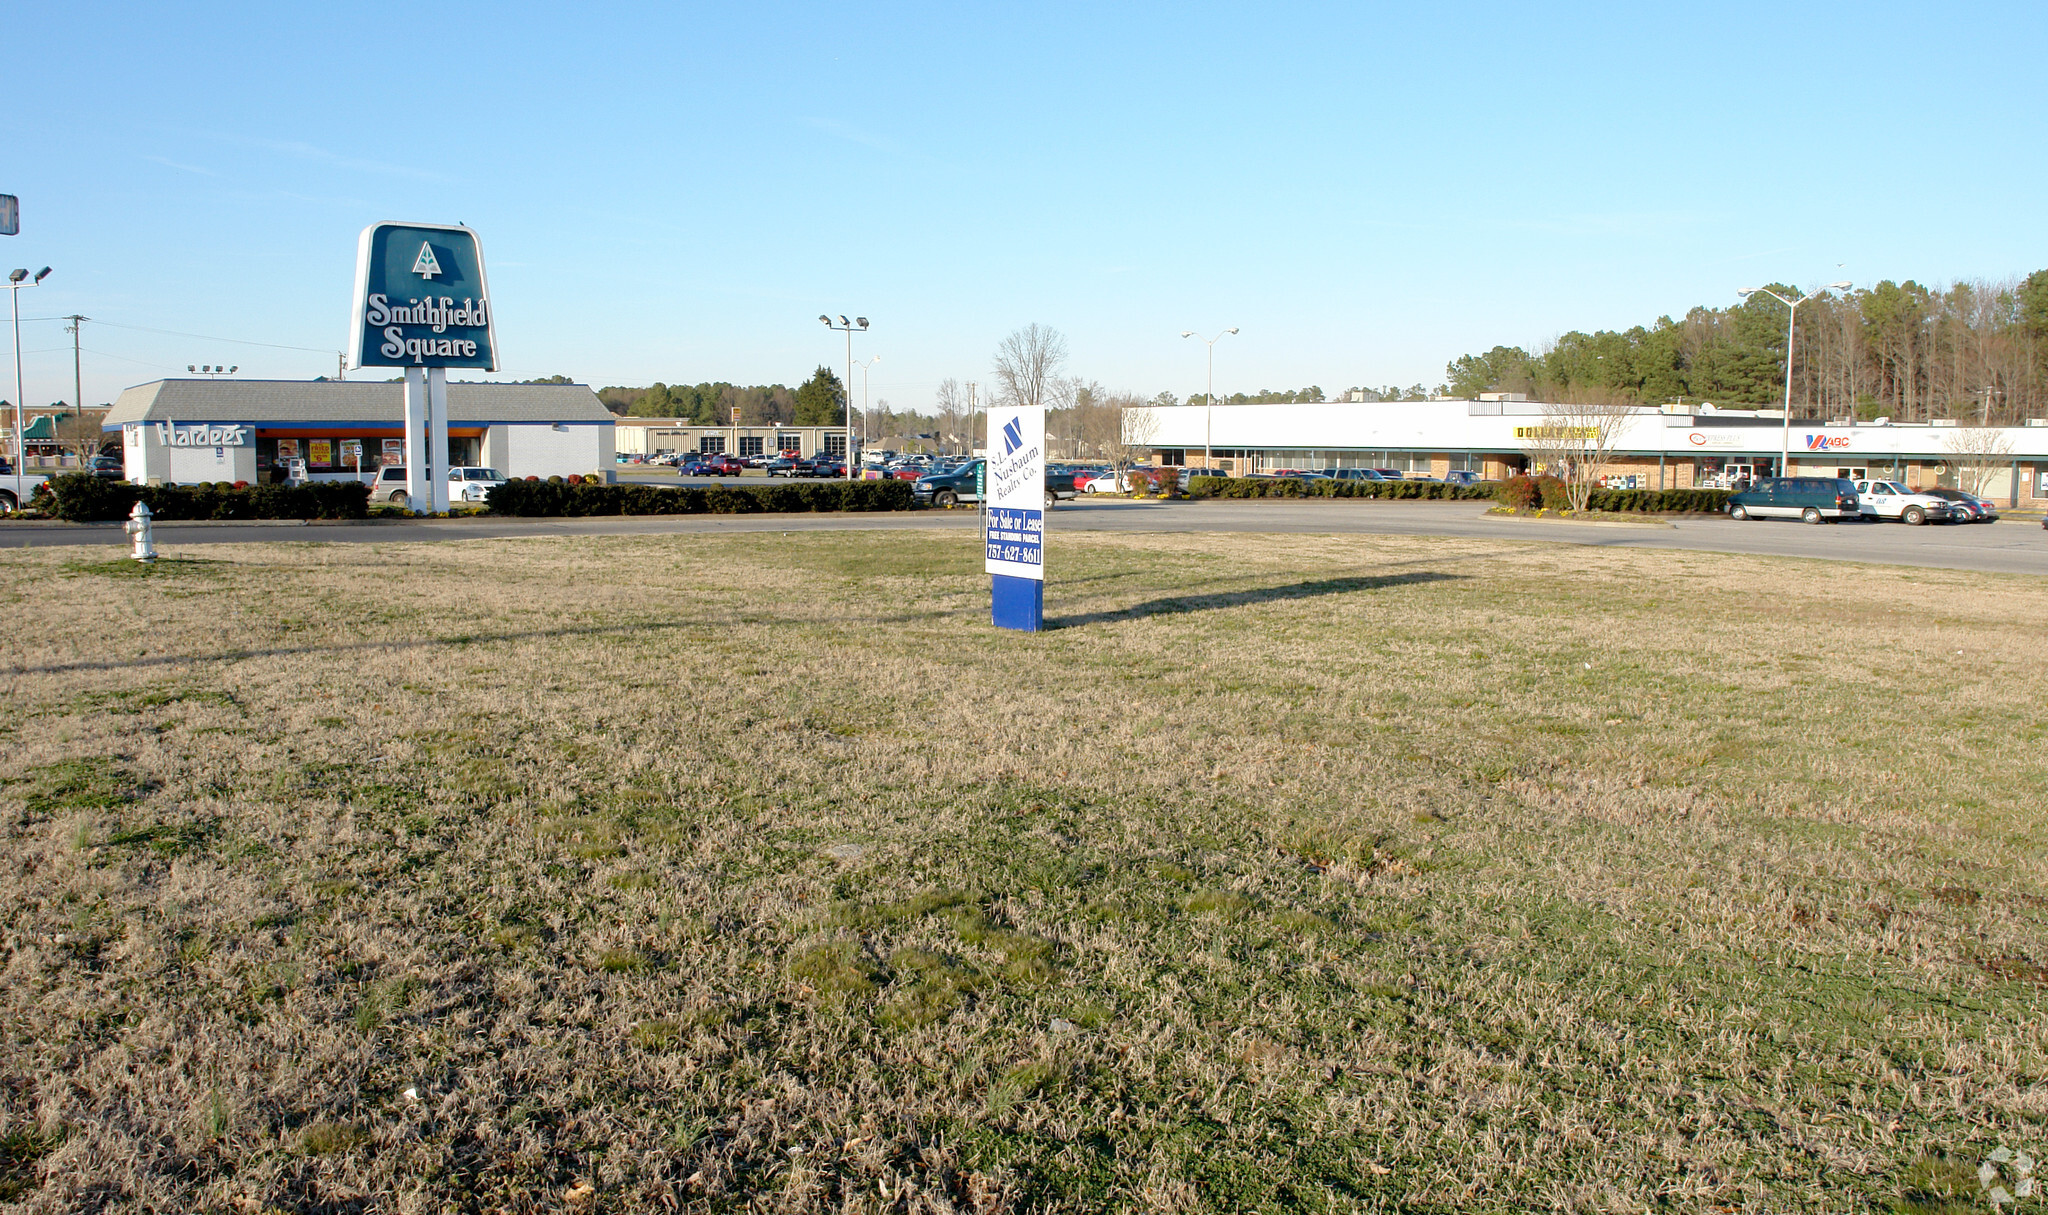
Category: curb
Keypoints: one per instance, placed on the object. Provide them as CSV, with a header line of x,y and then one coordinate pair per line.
x,y
1651,523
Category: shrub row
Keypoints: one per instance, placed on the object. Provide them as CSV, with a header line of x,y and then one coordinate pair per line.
x,y
550,498
1649,501
84,498
1317,487
1548,493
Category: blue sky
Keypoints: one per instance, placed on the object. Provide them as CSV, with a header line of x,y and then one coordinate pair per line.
x,y
676,192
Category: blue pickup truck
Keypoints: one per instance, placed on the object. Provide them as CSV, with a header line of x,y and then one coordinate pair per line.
x,y
958,484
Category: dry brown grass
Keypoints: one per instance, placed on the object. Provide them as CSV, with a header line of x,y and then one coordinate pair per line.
x,y
758,872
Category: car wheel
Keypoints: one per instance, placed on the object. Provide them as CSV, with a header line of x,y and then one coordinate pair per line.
x,y
399,500
1811,515
945,497
1913,515
1737,513
1051,499
6,504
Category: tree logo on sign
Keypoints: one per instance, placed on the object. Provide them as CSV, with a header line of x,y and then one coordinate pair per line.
x,y
426,265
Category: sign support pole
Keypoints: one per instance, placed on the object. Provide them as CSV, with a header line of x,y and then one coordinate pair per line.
x,y
437,437
415,439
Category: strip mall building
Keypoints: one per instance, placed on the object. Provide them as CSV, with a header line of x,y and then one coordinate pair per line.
x,y
1668,448
182,431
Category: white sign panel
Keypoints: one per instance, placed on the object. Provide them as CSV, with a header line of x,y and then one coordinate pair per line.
x,y
1016,493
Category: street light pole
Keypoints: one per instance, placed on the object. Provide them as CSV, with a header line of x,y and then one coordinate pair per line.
x,y
863,396
1791,321
1209,398
15,282
848,328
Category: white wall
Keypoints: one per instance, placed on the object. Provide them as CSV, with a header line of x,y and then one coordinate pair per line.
x,y
185,465
540,450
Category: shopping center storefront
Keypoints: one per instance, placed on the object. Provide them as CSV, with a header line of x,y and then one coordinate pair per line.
x,y
1666,448
182,431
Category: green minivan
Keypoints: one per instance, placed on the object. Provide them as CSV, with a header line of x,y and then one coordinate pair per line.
x,y
1809,499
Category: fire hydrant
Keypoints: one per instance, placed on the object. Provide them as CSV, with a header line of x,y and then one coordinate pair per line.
x,y
138,526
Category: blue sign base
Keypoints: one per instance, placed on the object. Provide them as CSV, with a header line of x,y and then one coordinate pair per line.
x,y
1019,603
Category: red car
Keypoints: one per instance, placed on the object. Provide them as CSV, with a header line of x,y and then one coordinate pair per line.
x,y
722,466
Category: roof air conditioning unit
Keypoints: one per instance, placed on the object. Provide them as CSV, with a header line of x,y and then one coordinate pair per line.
x,y
1941,421
1841,421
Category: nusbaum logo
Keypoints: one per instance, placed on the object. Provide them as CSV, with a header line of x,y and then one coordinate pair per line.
x,y
1013,435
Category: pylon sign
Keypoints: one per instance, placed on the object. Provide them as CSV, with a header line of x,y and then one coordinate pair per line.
x,y
421,299
1015,496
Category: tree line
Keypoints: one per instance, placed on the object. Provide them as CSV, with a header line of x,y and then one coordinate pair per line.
x,y
818,401
1976,351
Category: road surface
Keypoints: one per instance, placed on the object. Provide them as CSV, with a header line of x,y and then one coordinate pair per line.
x,y
2011,546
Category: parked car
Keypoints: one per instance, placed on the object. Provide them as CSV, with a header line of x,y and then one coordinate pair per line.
x,y
721,466
782,466
389,486
957,484
471,483
1461,477
1353,474
1977,510
107,468
827,466
1891,500
1106,483
1391,474
1809,499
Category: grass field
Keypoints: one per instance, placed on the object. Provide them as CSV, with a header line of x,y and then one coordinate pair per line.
x,y
758,872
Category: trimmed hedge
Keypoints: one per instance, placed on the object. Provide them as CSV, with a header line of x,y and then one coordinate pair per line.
x,y
559,498
1317,487
84,498
1656,501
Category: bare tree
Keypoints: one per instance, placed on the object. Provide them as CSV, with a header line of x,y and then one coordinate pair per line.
x,y
1028,365
1978,453
950,404
78,432
1574,443
1139,427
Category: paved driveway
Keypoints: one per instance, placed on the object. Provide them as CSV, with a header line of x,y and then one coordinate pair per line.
x,y
2013,546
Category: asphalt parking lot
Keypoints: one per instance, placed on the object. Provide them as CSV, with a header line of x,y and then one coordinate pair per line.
x,y
2011,546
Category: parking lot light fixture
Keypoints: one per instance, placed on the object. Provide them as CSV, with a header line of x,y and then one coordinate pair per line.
x,y
1209,398
15,282
1791,320
859,324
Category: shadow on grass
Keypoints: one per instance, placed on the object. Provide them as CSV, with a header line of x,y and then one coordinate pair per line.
x,y
1182,604
455,639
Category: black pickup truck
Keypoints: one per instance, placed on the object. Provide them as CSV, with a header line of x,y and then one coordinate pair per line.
x,y
957,484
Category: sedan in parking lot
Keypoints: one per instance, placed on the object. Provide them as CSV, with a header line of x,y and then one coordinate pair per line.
x,y
1967,507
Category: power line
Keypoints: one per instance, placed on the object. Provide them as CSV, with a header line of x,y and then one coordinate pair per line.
x,y
204,337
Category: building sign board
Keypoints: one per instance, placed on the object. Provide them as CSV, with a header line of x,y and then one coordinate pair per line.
x,y
10,215
172,434
1015,498
421,299
1701,438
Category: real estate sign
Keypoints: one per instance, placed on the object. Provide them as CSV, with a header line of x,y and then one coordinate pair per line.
x,y
421,299
1015,502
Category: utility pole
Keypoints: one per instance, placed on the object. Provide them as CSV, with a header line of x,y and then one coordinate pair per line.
x,y
77,380
340,365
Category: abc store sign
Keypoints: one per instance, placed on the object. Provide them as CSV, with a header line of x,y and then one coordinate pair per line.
x,y
170,434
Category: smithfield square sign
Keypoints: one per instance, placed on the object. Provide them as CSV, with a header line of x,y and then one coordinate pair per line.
x,y
421,299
